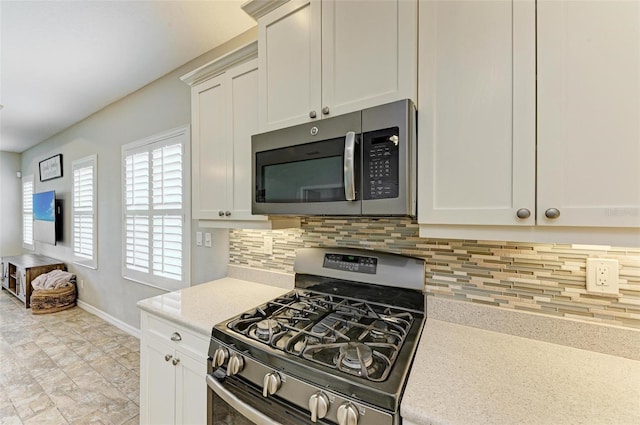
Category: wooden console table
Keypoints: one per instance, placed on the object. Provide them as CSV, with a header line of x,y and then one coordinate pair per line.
x,y
19,271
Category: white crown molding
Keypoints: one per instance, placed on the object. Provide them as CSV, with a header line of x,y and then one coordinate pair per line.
x,y
258,8
219,65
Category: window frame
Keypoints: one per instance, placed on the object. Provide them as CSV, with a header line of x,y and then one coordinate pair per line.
x,y
27,179
92,161
148,145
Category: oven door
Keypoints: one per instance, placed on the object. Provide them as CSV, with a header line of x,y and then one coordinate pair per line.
x,y
231,401
309,169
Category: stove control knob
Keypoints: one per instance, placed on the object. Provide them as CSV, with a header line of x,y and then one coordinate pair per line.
x,y
318,405
220,356
271,383
348,414
236,363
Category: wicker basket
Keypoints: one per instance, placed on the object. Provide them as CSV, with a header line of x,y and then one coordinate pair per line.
x,y
45,301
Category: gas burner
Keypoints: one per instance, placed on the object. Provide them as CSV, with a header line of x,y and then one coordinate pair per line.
x,y
265,329
296,309
379,329
356,355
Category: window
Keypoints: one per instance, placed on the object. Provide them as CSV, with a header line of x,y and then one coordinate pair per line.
x,y
84,211
27,212
156,200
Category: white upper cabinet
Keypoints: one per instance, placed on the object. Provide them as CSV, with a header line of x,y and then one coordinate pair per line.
x,y
211,148
324,58
289,45
476,113
368,53
224,115
495,162
589,113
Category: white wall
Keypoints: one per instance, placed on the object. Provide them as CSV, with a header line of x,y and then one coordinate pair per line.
x,y
159,106
10,204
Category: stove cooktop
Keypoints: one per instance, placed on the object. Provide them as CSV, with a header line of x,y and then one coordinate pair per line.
x,y
350,326
355,337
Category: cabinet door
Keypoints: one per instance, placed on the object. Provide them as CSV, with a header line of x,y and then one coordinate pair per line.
x,y
289,46
476,112
369,53
589,112
157,382
211,148
243,83
191,389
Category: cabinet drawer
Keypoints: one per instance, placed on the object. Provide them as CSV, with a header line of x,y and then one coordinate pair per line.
x,y
166,330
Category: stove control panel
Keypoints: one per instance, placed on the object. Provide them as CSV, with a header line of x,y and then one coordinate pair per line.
x,y
351,263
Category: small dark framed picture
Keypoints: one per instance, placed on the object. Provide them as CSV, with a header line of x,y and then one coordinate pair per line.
x,y
51,168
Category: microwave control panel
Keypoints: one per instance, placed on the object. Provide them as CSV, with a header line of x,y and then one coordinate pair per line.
x,y
381,163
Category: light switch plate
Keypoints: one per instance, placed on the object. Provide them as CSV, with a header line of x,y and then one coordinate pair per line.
x,y
207,239
198,238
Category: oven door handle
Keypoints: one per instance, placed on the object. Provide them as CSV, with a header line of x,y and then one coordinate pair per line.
x,y
349,166
233,401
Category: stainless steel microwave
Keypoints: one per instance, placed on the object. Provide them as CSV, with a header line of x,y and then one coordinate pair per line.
x,y
360,163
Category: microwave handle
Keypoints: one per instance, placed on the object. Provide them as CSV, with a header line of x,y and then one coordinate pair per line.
x,y
349,166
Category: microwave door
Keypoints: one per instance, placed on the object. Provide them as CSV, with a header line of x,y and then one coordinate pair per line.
x,y
310,169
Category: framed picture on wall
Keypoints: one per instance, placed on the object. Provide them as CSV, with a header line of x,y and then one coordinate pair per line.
x,y
51,168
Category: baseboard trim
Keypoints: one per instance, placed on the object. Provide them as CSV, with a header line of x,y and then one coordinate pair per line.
x,y
109,318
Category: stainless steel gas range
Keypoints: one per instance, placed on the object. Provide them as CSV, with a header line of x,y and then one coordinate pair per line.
x,y
335,350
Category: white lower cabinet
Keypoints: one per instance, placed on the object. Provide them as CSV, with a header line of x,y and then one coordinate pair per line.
x,y
173,367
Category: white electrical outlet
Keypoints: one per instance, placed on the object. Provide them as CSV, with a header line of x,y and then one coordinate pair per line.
x,y
267,248
207,239
602,275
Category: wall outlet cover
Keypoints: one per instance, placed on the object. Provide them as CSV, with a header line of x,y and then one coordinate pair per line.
x,y
602,276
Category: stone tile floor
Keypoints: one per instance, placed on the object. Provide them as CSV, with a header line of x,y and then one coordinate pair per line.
x,y
69,367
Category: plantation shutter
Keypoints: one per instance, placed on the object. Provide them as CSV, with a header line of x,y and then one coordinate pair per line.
x,y
154,219
167,197
84,210
27,210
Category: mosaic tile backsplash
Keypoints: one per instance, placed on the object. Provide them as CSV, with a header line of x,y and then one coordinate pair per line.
x,y
541,278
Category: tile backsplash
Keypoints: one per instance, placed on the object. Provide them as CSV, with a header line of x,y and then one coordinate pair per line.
x,y
541,278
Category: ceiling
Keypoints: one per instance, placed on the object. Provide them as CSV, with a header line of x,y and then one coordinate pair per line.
x,y
61,61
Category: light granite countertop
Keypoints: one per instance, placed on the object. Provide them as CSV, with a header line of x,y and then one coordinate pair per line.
x,y
202,306
466,375
474,364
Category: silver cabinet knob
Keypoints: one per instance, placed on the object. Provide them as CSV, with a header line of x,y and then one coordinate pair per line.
x,y
318,405
523,213
176,337
552,213
326,110
348,414
271,384
227,213
312,114
175,361
236,363
221,213
167,357
220,356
